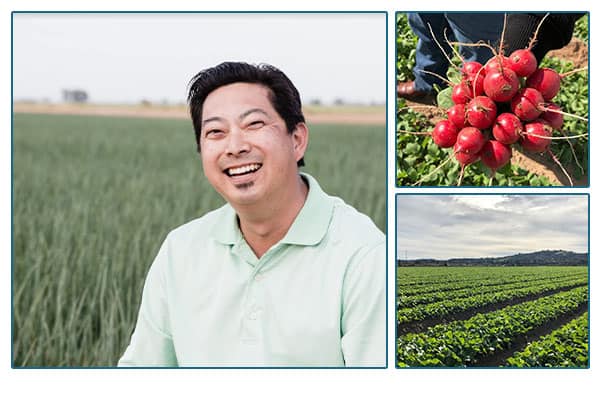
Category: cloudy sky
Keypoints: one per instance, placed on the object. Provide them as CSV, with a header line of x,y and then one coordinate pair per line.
x,y
130,57
450,226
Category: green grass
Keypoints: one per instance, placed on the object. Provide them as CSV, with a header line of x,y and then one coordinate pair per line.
x,y
93,199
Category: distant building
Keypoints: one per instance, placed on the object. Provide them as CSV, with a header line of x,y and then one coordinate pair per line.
x,y
74,96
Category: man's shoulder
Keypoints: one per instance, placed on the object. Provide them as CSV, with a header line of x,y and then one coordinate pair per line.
x,y
353,225
200,228
345,222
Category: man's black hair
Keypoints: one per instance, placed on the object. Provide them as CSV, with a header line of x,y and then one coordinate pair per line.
x,y
284,96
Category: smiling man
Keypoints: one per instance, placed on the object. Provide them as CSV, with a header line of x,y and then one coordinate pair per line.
x,y
283,275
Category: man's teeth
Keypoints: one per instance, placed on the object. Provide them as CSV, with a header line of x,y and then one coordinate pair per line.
x,y
243,169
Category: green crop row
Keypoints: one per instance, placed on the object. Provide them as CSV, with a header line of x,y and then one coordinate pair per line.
x,y
567,346
451,306
421,280
426,298
464,343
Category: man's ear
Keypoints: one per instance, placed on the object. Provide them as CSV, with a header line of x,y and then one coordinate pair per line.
x,y
300,139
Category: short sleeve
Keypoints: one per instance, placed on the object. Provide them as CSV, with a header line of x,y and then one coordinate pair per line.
x,y
364,309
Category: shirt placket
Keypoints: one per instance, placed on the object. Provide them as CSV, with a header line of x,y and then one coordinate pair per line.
x,y
253,307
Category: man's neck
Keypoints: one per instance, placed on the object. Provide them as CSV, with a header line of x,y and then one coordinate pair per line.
x,y
265,225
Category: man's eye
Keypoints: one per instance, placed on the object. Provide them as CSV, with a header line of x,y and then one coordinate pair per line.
x,y
213,132
256,124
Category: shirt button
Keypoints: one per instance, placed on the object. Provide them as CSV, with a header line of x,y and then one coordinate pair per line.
x,y
254,314
258,277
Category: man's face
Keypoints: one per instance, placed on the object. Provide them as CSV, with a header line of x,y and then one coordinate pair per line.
x,y
247,154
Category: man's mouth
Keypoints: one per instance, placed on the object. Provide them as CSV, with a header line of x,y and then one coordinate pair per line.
x,y
243,169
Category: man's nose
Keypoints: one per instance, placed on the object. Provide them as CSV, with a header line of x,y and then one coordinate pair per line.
x,y
237,143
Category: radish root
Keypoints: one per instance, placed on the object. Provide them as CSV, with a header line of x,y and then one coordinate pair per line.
x,y
440,46
537,30
561,167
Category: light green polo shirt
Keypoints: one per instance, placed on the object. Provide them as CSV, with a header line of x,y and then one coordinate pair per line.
x,y
315,299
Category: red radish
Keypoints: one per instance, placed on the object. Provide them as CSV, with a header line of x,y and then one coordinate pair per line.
x,y
465,158
457,115
507,128
546,81
469,140
513,87
523,62
554,119
475,84
461,94
481,112
526,104
495,63
444,133
470,68
473,75
501,85
531,140
495,155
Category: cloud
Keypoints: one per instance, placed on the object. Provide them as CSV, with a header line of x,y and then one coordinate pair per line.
x,y
447,226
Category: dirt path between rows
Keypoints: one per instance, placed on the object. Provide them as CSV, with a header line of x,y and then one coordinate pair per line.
x,y
499,358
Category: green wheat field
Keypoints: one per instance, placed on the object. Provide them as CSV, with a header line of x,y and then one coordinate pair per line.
x,y
93,198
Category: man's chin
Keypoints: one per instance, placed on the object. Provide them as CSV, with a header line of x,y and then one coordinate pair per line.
x,y
244,195
244,186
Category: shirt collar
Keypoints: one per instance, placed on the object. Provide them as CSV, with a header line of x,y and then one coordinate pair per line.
x,y
226,230
308,229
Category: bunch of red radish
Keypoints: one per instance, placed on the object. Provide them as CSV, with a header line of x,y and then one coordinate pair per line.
x,y
506,101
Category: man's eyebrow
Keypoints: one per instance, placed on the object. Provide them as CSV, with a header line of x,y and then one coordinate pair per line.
x,y
242,115
252,110
207,120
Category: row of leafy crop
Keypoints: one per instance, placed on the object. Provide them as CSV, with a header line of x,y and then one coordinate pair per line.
x,y
411,276
567,346
426,298
465,343
447,284
457,278
447,307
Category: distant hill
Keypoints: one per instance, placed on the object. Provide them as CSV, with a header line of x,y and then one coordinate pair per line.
x,y
544,257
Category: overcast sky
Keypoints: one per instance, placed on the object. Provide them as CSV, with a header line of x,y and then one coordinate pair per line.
x,y
444,226
130,57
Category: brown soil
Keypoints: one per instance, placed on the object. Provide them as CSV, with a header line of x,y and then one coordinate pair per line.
x,y
576,52
376,117
432,113
544,165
